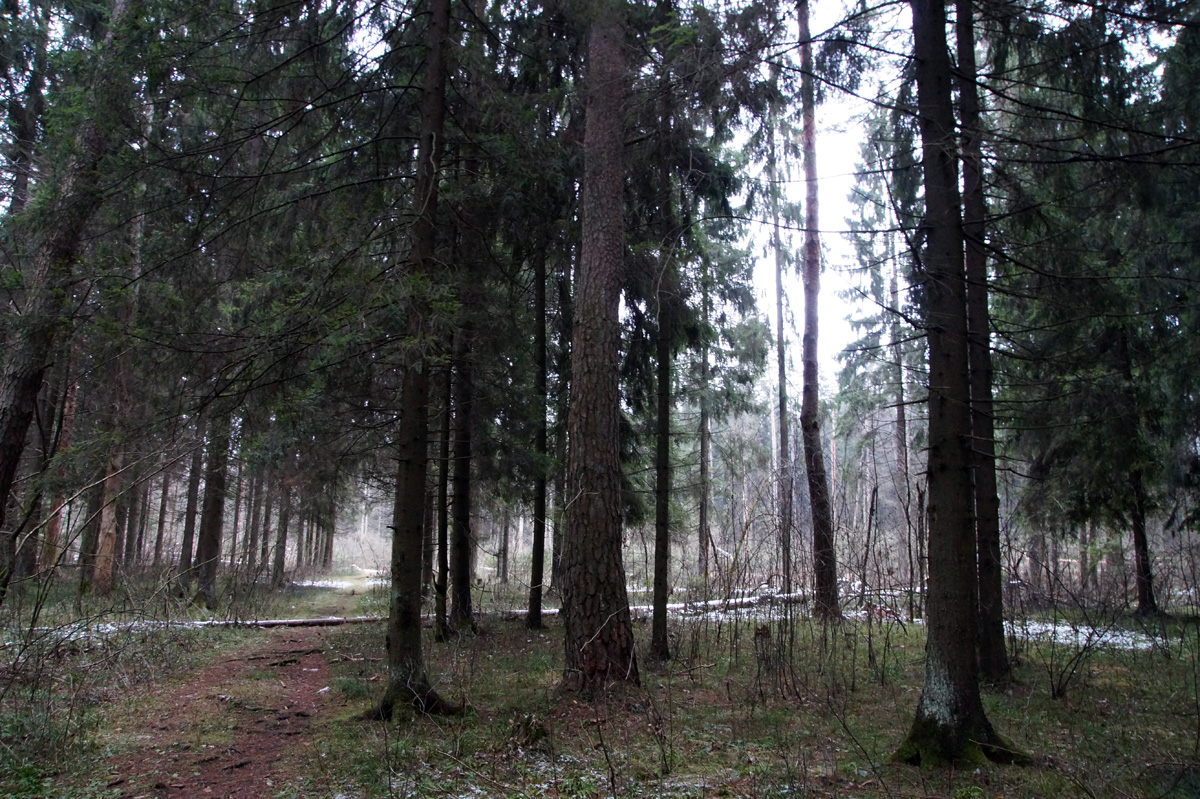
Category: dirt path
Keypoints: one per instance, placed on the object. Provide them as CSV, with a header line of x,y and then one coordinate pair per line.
x,y
238,728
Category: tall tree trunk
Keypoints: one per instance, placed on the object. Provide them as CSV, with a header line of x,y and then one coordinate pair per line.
x,y
164,493
406,661
660,649
279,556
253,527
133,522
599,630
993,657
824,554
784,465
705,534
237,519
1143,573
51,548
537,571
212,517
30,346
272,488
950,724
441,623
101,573
189,517
461,536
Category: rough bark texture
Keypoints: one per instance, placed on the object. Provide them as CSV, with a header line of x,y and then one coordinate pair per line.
x,y
660,648
212,516
279,559
705,534
441,579
30,345
784,466
824,554
461,536
993,657
101,578
599,643
163,499
1143,573
406,662
950,724
189,518
537,571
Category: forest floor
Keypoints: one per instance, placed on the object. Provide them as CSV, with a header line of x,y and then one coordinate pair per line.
x,y
752,706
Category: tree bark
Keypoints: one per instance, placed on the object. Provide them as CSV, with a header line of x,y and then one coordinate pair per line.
x,y
783,492
406,661
441,580
30,346
101,576
189,517
537,571
660,649
212,517
993,656
1143,571
950,724
279,556
824,553
461,535
164,493
598,629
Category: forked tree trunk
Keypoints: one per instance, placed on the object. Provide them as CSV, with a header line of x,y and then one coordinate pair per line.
x,y
950,724
824,554
599,644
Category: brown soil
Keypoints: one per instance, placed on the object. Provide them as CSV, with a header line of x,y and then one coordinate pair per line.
x,y
237,728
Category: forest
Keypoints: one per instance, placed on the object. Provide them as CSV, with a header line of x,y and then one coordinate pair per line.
x,y
422,398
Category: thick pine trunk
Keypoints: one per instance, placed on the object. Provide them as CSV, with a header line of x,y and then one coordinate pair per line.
x,y
950,725
599,645
824,554
104,565
163,497
279,555
441,580
212,516
784,466
1143,572
189,517
534,618
406,661
461,535
993,657
660,649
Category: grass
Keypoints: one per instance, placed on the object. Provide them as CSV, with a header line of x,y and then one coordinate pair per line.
x,y
803,711
819,717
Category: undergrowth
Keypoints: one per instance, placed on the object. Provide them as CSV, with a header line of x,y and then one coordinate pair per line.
x,y
759,703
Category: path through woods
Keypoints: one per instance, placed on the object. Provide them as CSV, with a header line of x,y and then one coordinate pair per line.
x,y
239,727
